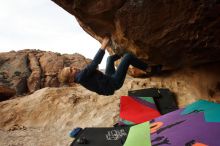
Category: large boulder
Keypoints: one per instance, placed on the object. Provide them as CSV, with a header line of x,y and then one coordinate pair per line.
x,y
169,32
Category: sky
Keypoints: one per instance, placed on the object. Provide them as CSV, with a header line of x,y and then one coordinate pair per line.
x,y
41,24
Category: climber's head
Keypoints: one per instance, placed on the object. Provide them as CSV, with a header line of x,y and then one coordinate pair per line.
x,y
67,75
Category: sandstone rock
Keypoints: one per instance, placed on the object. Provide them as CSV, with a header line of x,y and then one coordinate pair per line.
x,y
50,113
14,71
172,33
51,63
73,60
6,93
34,81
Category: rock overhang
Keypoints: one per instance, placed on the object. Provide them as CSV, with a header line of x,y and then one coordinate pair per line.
x,y
173,33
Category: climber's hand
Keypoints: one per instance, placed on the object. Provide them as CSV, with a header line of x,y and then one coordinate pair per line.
x,y
105,43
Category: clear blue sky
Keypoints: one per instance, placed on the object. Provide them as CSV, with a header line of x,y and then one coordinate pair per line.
x,y
41,24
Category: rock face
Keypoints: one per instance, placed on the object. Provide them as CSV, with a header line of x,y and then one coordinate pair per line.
x,y
29,70
170,32
14,71
45,117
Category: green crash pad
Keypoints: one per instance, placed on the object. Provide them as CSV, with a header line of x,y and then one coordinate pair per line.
x,y
139,135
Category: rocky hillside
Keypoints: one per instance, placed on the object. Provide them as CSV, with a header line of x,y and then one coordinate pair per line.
x,y
29,70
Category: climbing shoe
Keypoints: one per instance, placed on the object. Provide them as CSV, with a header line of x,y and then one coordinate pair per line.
x,y
153,70
156,69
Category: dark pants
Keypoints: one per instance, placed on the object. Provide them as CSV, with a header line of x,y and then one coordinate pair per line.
x,y
120,74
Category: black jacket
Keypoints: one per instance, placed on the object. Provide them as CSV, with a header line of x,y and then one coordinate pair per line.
x,y
95,80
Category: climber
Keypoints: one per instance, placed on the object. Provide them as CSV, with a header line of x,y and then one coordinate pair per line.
x,y
95,80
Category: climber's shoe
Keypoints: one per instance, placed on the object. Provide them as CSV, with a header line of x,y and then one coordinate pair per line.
x,y
153,70
156,69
